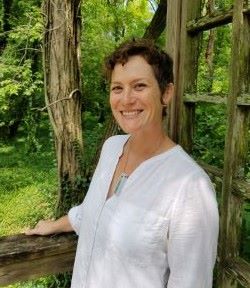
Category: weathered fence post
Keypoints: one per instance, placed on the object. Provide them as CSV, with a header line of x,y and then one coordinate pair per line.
x,y
184,48
236,142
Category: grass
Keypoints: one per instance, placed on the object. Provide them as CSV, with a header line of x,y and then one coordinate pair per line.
x,y
27,186
28,192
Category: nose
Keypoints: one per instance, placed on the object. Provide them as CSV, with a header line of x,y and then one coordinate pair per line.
x,y
128,97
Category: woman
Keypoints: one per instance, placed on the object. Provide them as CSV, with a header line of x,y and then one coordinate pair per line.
x,y
150,217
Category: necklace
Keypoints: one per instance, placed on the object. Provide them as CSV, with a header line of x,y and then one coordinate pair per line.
x,y
124,176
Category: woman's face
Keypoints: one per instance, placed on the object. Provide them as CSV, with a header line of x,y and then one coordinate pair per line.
x,y
135,96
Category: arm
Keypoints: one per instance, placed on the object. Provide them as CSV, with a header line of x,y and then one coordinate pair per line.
x,y
47,227
193,234
67,223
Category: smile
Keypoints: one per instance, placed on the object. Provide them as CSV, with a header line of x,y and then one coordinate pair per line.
x,y
131,113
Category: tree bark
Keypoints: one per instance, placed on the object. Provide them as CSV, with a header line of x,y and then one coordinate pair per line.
x,y
7,4
62,94
158,23
209,55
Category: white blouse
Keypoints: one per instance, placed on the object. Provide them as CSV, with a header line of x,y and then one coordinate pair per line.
x,y
160,231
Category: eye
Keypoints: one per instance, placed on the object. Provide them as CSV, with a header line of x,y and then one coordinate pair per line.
x,y
139,86
116,89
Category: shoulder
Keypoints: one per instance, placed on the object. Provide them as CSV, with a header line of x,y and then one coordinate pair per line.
x,y
115,142
183,164
192,178
196,194
113,146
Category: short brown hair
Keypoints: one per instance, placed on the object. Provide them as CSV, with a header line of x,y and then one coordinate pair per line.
x,y
161,62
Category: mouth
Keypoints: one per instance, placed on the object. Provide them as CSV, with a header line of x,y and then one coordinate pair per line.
x,y
131,113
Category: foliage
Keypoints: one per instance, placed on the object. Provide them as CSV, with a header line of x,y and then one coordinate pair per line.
x,y
58,281
20,62
219,83
210,134
210,119
225,4
20,77
94,130
245,233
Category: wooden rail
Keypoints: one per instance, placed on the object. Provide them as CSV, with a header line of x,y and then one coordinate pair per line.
x,y
218,18
243,100
28,257
207,22
241,188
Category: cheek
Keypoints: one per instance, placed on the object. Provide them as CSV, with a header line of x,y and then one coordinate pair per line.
x,y
113,101
154,102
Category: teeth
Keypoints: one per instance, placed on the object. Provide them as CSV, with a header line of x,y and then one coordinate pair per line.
x,y
130,113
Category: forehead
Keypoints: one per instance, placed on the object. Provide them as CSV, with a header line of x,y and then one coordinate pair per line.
x,y
136,66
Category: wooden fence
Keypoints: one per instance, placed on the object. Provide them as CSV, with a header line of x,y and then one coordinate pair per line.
x,y
184,30
24,257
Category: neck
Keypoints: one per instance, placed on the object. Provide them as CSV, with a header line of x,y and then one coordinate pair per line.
x,y
145,142
142,146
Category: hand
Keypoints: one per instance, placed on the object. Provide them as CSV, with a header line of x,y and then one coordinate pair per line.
x,y
43,228
47,227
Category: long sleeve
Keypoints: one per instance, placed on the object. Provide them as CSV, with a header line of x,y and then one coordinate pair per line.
x,y
75,214
193,235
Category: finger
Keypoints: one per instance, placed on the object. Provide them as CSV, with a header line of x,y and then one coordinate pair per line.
x,y
31,231
28,232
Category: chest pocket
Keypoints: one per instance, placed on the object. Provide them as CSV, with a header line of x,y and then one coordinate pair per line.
x,y
138,235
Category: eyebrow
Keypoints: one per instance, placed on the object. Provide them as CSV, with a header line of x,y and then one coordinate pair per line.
x,y
135,80
115,82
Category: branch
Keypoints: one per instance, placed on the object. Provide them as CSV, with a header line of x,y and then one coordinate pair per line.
x,y
59,100
158,23
32,49
152,5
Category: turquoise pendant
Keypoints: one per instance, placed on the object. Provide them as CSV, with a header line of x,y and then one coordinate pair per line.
x,y
121,182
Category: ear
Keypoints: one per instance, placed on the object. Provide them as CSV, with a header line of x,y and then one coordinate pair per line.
x,y
168,94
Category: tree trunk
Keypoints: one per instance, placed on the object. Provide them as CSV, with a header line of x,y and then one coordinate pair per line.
x,y
62,94
7,4
209,55
158,23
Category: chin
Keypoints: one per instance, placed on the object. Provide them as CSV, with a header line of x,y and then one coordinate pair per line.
x,y
131,130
